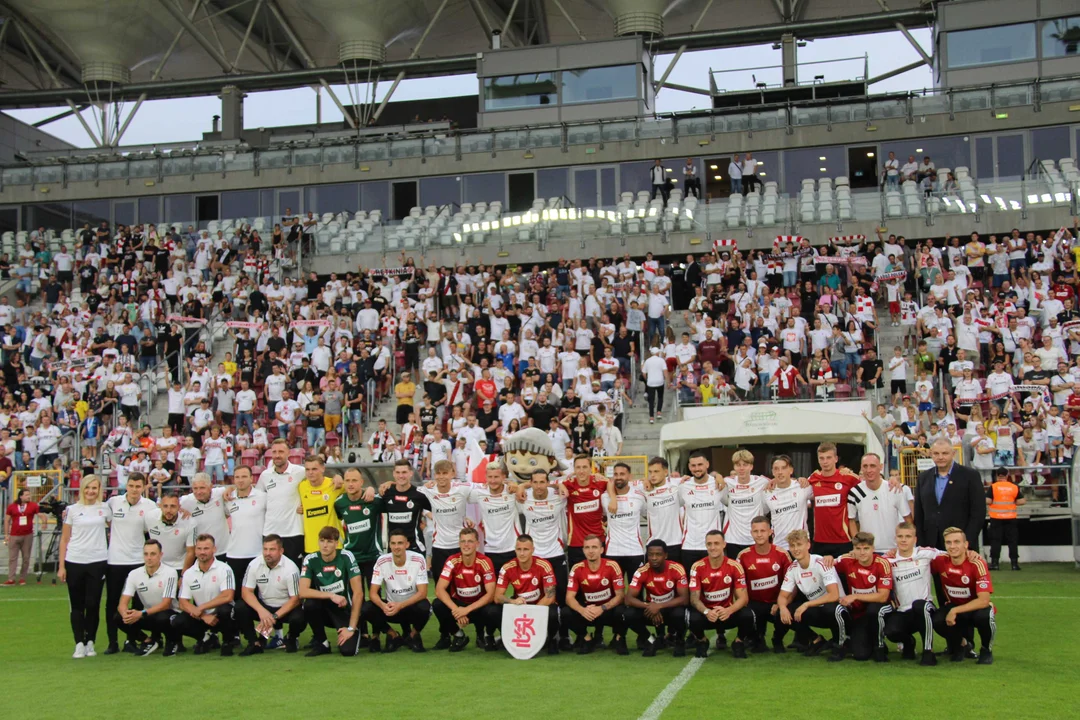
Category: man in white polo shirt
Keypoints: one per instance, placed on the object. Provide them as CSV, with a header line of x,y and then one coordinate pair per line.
x,y
153,588
206,600
271,599
281,483
131,514
206,507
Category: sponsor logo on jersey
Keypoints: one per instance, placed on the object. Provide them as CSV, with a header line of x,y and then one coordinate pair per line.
x,y
586,507
469,591
717,595
764,583
827,501
358,527
598,597
317,511
399,517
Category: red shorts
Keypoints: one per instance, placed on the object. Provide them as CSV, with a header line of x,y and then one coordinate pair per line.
x,y
894,308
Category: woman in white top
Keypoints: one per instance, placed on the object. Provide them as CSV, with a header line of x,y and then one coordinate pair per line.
x,y
83,555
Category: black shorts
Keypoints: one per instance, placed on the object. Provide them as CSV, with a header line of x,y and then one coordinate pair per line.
x,y
65,276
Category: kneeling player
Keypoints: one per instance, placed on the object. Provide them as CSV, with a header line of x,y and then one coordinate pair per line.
x,y
206,600
533,580
402,574
868,580
814,591
914,611
152,588
466,586
765,565
964,590
330,587
271,598
600,584
657,597
718,599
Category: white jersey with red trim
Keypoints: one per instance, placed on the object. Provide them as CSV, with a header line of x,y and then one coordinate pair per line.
x,y
624,526
703,504
665,513
912,579
744,502
448,514
813,580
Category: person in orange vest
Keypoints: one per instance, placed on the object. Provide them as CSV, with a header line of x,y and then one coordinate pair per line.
x,y
1003,497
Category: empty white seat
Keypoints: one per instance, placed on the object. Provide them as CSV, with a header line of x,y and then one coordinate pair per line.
x,y
841,180
327,217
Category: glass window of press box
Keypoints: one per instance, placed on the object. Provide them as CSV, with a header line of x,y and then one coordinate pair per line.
x,y
520,91
1061,37
987,46
588,85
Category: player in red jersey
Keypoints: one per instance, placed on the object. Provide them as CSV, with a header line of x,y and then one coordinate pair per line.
x,y
718,599
466,585
868,580
963,589
533,581
831,486
584,514
600,583
765,565
663,602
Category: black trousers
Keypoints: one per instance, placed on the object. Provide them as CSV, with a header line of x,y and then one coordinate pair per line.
x,y
239,568
1007,530
655,396
156,624
196,628
832,616
294,549
115,577
742,620
493,618
981,620
675,554
574,555
439,556
673,618
448,625
321,614
903,626
868,629
732,550
763,615
576,623
500,559
414,617
246,619
629,564
689,557
834,549
85,581
562,574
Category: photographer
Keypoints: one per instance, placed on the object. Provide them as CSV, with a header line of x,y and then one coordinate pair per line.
x,y
19,534
83,554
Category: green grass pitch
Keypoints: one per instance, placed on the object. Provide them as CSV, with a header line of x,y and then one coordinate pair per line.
x,y
1035,673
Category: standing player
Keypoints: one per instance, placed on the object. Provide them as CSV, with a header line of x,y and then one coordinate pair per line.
x,y
701,498
498,515
154,587
403,576
247,515
814,590
533,581
131,516
831,486
658,596
271,599
914,611
281,483
330,590
358,509
584,515
176,534
868,581
964,589
206,505
873,508
543,511
404,506
623,512
317,496
745,501
765,566
206,600
662,508
448,506
465,587
718,600
788,502
600,583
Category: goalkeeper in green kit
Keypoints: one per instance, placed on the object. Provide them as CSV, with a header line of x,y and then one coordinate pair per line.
x,y
360,524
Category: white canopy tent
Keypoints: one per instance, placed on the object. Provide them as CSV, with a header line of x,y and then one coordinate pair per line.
x,y
839,422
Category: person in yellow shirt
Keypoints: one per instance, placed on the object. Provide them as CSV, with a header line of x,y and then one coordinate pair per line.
x,y
405,392
317,496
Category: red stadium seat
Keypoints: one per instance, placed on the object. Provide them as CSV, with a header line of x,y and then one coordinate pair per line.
x,y
296,456
332,439
249,458
257,471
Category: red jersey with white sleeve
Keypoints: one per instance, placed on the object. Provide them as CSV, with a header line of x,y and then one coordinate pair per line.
x,y
764,573
529,585
963,582
717,585
830,505
583,509
595,587
467,581
864,579
659,586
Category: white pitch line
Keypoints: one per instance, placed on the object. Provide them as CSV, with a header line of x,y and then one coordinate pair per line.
x,y
656,709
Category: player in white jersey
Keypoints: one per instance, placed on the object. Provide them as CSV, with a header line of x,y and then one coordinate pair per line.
x,y
448,505
281,483
787,503
206,599
813,590
745,501
662,508
398,595
131,515
544,510
176,534
874,508
153,588
623,511
270,594
497,511
702,499
206,506
912,587
246,509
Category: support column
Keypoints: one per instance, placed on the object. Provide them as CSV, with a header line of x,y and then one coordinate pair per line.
x,y
789,54
232,113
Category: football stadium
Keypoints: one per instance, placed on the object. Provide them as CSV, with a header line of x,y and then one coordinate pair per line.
x,y
623,355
